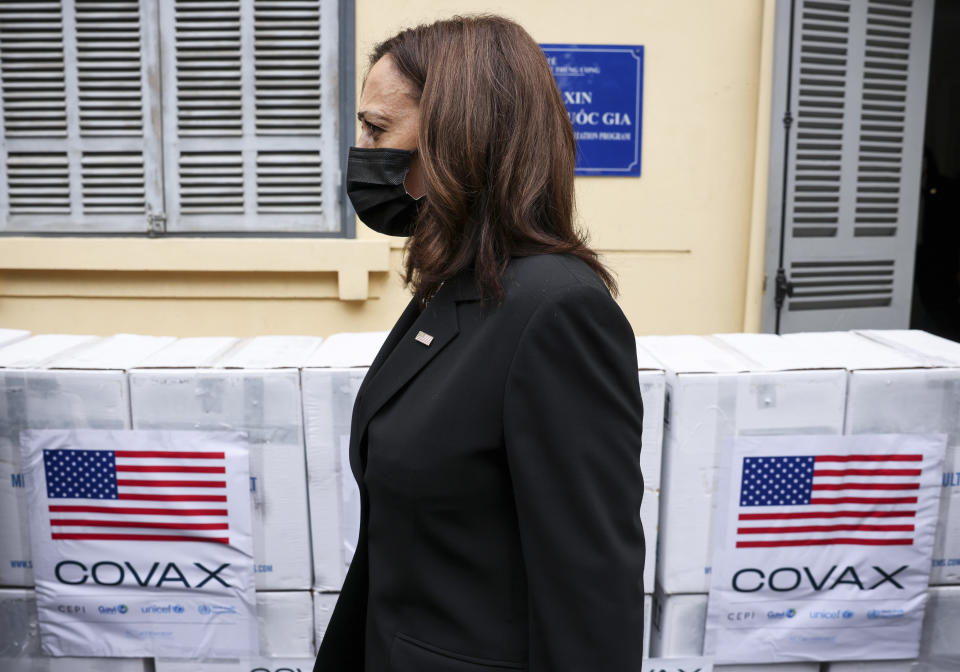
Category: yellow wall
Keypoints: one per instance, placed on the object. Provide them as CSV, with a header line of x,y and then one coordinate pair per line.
x,y
685,238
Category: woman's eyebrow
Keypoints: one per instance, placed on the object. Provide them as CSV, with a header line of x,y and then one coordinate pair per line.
x,y
372,117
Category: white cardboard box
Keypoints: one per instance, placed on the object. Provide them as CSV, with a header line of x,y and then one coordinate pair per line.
x,y
678,623
933,398
926,347
270,352
939,641
8,336
653,391
848,350
647,608
913,388
265,403
20,642
34,397
36,351
323,604
117,352
330,381
918,400
678,665
286,631
197,352
347,350
713,393
650,519
874,666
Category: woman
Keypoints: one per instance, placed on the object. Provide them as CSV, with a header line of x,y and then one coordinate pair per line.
x,y
496,436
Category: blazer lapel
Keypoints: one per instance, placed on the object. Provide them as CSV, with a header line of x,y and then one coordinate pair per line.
x,y
408,356
403,356
407,317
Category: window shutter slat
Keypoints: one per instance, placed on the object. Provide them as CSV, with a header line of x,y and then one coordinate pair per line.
x,y
77,99
250,105
31,51
108,66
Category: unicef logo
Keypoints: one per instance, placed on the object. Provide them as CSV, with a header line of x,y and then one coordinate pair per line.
x,y
204,609
848,614
122,608
791,613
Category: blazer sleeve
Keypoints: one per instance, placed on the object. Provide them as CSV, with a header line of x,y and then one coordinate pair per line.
x,y
572,426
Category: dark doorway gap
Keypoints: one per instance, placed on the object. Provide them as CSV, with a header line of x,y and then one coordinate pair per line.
x,y
936,289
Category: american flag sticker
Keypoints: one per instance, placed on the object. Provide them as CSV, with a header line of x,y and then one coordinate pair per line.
x,y
141,494
140,485
828,500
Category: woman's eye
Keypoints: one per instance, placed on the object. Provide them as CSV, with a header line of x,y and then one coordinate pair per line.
x,y
373,130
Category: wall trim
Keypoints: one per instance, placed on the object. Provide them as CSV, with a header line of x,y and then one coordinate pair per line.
x,y
351,260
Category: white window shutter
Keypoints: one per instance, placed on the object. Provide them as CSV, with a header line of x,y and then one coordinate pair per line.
x,y
853,160
250,101
80,99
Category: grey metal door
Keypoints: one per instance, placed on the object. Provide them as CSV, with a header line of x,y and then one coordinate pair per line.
x,y
849,100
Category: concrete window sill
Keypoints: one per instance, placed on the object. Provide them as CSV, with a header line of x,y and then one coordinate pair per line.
x,y
59,258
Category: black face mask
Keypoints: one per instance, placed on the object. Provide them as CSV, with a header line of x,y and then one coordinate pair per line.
x,y
375,187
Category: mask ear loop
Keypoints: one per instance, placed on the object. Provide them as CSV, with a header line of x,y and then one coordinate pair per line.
x,y
413,153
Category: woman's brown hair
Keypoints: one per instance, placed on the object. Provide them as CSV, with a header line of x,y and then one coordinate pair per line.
x,y
497,150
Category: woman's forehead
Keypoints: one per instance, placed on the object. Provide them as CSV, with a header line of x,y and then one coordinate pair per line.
x,y
386,89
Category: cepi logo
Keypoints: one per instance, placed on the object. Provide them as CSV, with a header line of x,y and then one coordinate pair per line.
x,y
736,616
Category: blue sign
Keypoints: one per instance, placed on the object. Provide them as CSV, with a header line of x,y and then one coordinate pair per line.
x,y
602,88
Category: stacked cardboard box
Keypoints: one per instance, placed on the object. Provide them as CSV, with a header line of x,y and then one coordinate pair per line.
x,y
652,391
909,381
285,621
933,398
264,402
20,642
939,642
678,628
714,392
252,386
323,604
330,381
8,336
55,381
294,397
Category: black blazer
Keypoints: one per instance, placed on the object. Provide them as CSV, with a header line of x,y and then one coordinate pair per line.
x,y
498,462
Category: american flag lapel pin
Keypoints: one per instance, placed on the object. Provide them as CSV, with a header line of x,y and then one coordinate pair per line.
x,y
424,337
